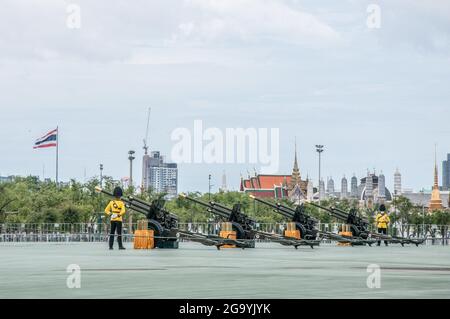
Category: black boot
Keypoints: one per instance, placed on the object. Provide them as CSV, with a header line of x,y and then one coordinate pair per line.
x,y
111,242
119,240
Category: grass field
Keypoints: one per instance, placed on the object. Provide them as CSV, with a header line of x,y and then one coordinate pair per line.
x,y
38,270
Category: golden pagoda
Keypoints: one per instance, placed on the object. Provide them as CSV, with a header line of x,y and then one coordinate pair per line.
x,y
436,201
297,188
296,177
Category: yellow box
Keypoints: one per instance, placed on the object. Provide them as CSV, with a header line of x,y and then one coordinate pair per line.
x,y
295,234
144,239
229,234
345,234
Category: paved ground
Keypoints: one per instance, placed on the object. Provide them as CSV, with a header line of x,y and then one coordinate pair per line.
x,y
195,271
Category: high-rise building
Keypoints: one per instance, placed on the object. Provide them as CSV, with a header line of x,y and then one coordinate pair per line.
x,y
321,189
354,187
344,188
310,190
446,173
397,183
369,186
145,171
330,186
160,176
224,182
6,179
381,187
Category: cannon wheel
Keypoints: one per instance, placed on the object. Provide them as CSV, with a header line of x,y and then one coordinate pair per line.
x,y
157,229
240,233
302,230
355,230
173,234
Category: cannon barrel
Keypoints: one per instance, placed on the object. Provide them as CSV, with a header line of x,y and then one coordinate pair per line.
x,y
197,201
98,189
220,210
147,206
212,207
218,213
285,211
138,209
295,213
321,207
263,201
360,219
339,214
220,206
231,214
332,211
278,208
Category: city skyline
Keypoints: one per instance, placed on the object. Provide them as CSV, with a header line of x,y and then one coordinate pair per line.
x,y
137,176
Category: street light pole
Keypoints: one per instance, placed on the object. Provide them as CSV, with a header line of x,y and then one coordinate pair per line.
x,y
99,219
319,149
101,175
131,158
209,187
423,214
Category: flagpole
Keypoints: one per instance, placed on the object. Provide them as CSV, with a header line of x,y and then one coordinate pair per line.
x,y
57,146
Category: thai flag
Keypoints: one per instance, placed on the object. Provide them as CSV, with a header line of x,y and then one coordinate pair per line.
x,y
48,140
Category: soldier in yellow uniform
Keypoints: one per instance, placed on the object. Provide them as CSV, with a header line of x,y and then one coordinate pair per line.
x,y
116,209
382,221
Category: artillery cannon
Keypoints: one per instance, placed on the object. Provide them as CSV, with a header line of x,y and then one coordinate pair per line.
x,y
304,223
163,223
240,223
358,225
360,228
244,226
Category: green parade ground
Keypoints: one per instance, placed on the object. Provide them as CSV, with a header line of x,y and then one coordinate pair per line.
x,y
38,270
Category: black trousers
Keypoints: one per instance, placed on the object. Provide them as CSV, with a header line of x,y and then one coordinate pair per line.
x,y
382,231
115,226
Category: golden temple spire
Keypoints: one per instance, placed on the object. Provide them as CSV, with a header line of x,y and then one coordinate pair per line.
x,y
436,177
295,161
295,171
436,201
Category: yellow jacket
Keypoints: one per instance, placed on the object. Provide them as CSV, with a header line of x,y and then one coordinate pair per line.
x,y
115,209
382,220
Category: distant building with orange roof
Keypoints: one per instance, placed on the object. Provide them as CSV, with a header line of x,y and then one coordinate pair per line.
x,y
277,186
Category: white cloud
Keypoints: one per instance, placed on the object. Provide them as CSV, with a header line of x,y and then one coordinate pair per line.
x,y
253,21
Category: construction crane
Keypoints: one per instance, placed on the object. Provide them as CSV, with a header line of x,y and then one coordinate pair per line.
x,y
144,163
146,132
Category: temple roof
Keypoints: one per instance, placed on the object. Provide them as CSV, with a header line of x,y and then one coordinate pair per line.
x,y
266,181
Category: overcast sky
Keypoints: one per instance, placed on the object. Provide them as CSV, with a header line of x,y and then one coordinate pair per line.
x,y
376,98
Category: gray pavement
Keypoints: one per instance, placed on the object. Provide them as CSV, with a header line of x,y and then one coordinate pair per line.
x,y
38,270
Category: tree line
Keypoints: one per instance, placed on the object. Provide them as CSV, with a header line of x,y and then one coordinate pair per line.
x,y
29,200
